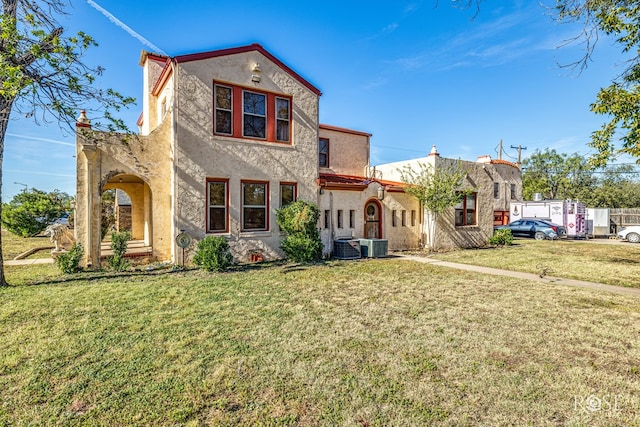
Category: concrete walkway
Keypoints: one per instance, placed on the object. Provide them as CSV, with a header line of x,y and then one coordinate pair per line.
x,y
528,276
29,261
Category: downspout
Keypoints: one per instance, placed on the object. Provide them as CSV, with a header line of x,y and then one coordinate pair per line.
x,y
331,216
174,160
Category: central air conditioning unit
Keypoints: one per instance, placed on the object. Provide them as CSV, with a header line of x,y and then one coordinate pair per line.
x,y
346,249
374,248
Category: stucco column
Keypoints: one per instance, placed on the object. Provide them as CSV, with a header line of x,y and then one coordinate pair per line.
x,y
86,194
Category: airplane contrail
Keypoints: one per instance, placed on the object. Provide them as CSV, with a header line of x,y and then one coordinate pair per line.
x,y
52,141
125,27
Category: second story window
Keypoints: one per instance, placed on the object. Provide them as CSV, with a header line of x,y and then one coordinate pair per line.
x,y
283,117
254,117
252,114
323,153
223,103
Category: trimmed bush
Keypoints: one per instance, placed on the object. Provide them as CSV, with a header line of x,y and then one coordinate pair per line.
x,y
213,254
299,220
68,262
502,237
117,261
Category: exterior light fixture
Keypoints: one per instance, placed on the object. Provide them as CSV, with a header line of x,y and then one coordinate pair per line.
x,y
381,193
255,69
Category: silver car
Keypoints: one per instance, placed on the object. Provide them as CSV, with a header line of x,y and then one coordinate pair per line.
x,y
630,234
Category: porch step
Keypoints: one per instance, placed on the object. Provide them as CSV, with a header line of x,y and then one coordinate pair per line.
x,y
135,248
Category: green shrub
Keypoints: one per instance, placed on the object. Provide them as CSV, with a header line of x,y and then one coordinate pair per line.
x,y
117,261
213,254
67,262
299,220
502,237
31,212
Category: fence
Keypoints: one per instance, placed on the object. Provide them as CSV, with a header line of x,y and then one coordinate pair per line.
x,y
623,217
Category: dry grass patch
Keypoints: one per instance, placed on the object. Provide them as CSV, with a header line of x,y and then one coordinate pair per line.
x,y
370,343
13,245
613,264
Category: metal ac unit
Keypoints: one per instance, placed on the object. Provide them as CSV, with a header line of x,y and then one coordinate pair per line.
x,y
374,248
346,249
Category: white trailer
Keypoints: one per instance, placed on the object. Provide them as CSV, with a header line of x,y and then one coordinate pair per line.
x,y
598,222
570,214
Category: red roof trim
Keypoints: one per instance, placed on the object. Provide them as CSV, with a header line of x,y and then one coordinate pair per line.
x,y
244,49
504,162
162,79
344,130
353,182
140,121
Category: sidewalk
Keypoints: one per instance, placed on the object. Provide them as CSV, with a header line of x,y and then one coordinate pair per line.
x,y
527,276
29,261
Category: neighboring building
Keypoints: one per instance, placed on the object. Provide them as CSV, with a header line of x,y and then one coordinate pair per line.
x,y
226,138
493,184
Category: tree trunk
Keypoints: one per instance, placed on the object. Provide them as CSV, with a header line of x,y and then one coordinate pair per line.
x,y
5,112
430,222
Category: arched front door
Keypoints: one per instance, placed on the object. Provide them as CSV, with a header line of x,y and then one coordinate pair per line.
x,y
373,223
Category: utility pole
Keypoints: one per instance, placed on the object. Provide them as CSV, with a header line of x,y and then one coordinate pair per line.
x,y
520,148
500,150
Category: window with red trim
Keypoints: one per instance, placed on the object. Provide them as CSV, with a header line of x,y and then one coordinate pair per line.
x,y
323,153
255,206
466,211
217,205
248,113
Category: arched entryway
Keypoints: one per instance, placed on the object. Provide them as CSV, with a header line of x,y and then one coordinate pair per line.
x,y
373,219
131,199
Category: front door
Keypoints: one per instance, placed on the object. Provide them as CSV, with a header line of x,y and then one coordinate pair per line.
x,y
372,228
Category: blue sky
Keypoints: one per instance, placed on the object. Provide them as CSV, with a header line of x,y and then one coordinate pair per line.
x,y
410,73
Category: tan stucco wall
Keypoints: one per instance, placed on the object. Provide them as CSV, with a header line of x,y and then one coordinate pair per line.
x,y
147,158
472,236
399,237
480,179
201,155
348,152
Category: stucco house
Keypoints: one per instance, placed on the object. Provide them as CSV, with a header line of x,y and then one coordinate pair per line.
x,y
225,139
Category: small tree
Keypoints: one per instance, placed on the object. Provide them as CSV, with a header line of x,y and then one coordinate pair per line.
x,y
437,189
119,242
299,220
31,211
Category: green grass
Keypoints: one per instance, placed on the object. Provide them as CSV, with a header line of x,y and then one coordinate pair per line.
x,y
370,343
13,245
613,264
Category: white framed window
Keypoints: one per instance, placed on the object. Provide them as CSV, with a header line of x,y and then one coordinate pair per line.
x,y
255,206
223,109
254,115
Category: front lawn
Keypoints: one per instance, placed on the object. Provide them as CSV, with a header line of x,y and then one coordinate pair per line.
x,y
365,343
613,264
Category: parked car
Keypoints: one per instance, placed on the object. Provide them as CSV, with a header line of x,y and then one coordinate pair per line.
x,y
535,228
630,234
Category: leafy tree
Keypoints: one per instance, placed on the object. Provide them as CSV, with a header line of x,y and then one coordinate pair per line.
x,y
556,176
620,101
299,220
30,212
42,75
437,189
617,187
